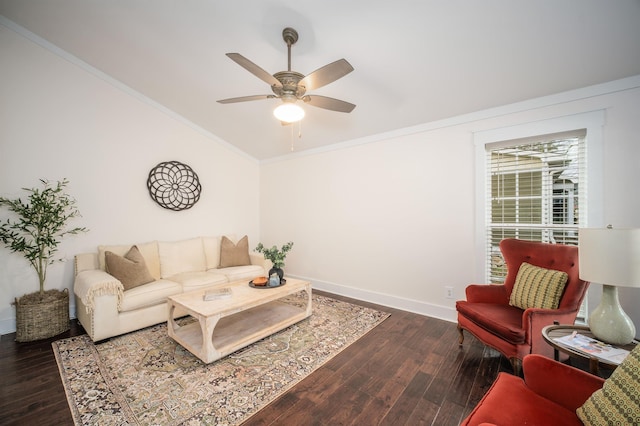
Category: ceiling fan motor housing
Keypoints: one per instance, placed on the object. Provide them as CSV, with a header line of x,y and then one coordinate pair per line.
x,y
289,81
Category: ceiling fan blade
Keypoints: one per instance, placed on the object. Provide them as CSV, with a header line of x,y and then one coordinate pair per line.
x,y
254,69
245,99
328,103
327,74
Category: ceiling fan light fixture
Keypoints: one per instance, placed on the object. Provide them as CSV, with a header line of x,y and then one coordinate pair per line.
x,y
289,112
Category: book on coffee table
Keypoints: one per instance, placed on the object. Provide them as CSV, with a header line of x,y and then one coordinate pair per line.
x,y
217,293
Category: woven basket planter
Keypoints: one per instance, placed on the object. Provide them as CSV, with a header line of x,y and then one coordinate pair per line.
x,y
42,319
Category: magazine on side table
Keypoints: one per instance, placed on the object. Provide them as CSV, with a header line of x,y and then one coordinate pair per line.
x,y
592,347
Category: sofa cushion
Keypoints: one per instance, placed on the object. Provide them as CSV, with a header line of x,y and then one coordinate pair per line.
x,y
130,269
194,280
150,294
618,402
211,251
234,254
502,320
181,256
148,250
537,287
236,273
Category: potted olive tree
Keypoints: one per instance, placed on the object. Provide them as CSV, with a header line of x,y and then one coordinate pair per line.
x,y
34,230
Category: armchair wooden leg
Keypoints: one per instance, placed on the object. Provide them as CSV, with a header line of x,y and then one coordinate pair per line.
x,y
461,336
517,366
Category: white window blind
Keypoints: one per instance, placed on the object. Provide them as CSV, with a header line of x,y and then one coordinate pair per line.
x,y
536,190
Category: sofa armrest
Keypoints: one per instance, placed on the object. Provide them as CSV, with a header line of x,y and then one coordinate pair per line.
x,y
258,259
487,293
85,262
96,282
559,382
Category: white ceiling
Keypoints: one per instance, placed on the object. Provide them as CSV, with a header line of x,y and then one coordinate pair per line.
x,y
415,61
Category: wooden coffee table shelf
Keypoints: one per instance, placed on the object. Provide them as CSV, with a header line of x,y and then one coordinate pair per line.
x,y
228,324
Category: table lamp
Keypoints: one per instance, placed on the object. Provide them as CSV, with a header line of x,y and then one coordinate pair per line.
x,y
610,257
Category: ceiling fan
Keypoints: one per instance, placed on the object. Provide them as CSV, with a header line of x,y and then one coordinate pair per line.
x,y
291,86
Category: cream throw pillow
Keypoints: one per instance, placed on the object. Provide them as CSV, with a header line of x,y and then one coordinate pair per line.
x,y
130,269
537,287
234,254
618,402
182,256
211,251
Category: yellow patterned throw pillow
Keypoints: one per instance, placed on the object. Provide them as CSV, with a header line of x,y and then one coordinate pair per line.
x,y
618,402
537,287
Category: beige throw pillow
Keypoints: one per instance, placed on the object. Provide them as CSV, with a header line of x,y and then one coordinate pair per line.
x,y
234,254
618,402
148,250
131,270
537,287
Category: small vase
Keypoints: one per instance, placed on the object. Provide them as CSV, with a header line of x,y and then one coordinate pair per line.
x,y
278,271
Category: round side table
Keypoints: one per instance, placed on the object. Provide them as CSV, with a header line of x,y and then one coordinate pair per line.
x,y
552,332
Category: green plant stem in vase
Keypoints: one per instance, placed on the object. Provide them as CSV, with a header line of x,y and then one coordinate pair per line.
x,y
277,258
274,255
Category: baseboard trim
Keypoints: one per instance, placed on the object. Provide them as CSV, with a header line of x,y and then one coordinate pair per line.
x,y
384,299
7,326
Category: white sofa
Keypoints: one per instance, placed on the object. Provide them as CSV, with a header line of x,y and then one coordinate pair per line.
x,y
105,309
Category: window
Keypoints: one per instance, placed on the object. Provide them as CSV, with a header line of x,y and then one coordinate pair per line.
x,y
536,190
553,188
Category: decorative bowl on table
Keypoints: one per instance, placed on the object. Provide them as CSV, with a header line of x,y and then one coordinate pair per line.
x,y
264,282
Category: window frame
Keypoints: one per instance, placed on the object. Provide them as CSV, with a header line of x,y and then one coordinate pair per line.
x,y
523,198
592,121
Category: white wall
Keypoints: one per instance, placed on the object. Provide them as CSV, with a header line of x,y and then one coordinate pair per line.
x,y
389,219
386,218
57,120
393,220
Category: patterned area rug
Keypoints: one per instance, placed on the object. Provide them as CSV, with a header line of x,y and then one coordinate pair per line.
x,y
146,378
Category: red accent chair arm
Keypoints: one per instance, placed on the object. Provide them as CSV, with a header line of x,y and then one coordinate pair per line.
x,y
535,319
487,293
559,382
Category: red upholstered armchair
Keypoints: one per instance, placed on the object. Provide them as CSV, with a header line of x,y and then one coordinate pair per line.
x,y
549,395
512,331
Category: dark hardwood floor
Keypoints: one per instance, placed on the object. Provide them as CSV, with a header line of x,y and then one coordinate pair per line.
x,y
408,370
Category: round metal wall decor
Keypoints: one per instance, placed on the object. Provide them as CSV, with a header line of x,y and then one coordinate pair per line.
x,y
174,185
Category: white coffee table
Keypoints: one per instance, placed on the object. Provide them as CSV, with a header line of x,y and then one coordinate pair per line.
x,y
226,325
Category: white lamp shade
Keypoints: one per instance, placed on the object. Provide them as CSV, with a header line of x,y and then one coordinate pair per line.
x,y
289,112
610,256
